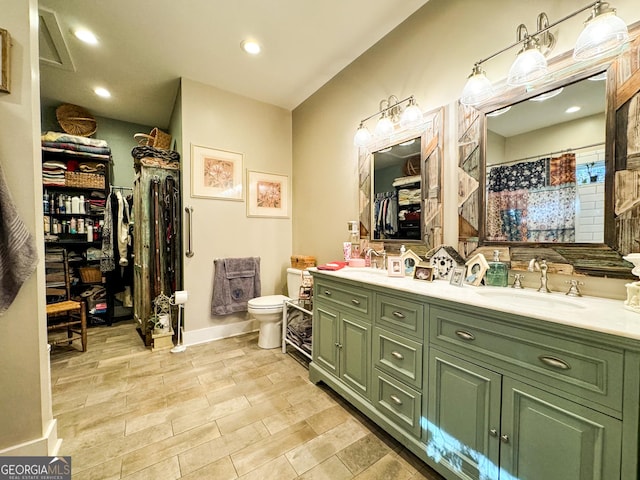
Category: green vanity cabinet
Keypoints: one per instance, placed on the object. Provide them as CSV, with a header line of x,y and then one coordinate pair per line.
x,y
342,334
476,392
484,425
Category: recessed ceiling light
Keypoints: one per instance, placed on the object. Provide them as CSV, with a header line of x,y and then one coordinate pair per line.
x,y
408,142
102,92
499,112
86,36
547,96
572,109
251,47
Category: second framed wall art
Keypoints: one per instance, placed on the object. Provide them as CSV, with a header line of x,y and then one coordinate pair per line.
x,y
268,195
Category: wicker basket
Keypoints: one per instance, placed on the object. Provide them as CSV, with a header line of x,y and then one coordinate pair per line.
x,y
75,120
90,274
84,180
157,138
303,261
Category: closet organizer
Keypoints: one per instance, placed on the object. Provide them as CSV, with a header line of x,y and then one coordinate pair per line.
x,y
157,240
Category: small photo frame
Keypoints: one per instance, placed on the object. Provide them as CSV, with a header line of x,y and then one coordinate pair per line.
x,y
457,276
395,267
424,271
268,195
216,174
476,266
5,61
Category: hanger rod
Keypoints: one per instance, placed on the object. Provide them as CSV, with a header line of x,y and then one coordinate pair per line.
x,y
544,155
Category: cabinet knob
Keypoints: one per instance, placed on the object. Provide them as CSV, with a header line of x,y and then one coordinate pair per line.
x,y
327,292
355,302
397,355
464,335
398,314
493,432
504,438
395,399
554,362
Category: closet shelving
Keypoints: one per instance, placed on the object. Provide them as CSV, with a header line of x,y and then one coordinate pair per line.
x,y
75,229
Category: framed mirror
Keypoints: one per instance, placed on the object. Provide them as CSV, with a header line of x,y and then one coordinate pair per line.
x,y
480,152
400,182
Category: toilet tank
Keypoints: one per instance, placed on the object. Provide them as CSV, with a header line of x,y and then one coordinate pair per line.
x,y
294,280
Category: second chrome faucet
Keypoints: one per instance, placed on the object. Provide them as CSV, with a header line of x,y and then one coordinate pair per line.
x,y
543,268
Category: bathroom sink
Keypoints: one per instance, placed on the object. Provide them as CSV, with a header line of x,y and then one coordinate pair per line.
x,y
531,299
360,270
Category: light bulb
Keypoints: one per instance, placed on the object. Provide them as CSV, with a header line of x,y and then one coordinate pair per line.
x,y
384,127
529,66
412,115
362,138
603,32
477,89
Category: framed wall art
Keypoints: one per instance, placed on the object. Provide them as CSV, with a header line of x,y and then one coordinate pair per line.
x,y
476,266
216,173
268,195
5,61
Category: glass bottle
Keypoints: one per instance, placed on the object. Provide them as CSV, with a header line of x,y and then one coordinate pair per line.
x,y
498,273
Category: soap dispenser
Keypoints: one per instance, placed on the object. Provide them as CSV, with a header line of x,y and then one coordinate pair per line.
x,y
498,273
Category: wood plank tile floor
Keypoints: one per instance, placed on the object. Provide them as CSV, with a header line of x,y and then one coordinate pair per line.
x,y
222,410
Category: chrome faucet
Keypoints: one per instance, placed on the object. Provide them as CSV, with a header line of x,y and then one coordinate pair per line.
x,y
542,267
382,254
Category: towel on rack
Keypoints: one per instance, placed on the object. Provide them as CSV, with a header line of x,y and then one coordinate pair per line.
x,y
235,282
18,254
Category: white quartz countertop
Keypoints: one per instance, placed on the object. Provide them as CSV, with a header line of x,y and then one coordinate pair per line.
x,y
592,313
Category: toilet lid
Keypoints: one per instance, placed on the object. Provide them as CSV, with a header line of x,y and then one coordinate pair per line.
x,y
268,301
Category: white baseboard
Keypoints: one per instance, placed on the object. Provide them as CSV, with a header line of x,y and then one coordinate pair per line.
x,y
46,446
217,332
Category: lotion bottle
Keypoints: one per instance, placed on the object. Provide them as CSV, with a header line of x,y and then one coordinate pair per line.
x,y
498,273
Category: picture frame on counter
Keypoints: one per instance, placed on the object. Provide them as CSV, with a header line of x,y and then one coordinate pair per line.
x,y
476,267
457,276
395,266
424,271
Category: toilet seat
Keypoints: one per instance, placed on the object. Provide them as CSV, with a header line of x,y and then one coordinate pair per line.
x,y
267,304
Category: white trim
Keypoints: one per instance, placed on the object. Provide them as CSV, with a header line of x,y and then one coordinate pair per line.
x,y
47,445
217,332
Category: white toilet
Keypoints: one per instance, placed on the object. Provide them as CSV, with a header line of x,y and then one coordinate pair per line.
x,y
267,311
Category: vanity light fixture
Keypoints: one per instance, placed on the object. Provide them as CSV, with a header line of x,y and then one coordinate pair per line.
x,y
391,113
604,32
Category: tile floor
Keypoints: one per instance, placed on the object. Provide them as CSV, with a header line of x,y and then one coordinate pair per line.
x,y
222,410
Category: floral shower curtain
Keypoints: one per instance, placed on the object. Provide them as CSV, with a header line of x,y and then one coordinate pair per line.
x,y
532,201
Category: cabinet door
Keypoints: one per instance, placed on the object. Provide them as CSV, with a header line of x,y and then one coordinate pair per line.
x,y
463,417
548,437
355,353
325,338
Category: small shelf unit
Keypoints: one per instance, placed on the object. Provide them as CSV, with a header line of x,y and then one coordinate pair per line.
x,y
294,307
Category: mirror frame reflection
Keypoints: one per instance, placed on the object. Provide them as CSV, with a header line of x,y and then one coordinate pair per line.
x,y
604,259
431,137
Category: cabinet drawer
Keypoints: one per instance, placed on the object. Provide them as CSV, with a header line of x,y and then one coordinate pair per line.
x,y
342,295
403,316
398,356
591,372
401,404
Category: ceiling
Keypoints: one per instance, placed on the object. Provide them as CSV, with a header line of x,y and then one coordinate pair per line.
x,y
145,47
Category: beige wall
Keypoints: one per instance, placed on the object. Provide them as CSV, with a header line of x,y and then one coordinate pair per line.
x,y
262,133
429,55
26,425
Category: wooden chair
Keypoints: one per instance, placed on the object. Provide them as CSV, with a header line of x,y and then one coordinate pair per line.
x,y
67,314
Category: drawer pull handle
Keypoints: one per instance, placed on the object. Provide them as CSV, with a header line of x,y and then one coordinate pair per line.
x,y
397,355
395,399
504,438
355,302
398,314
554,362
493,432
464,335
327,292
